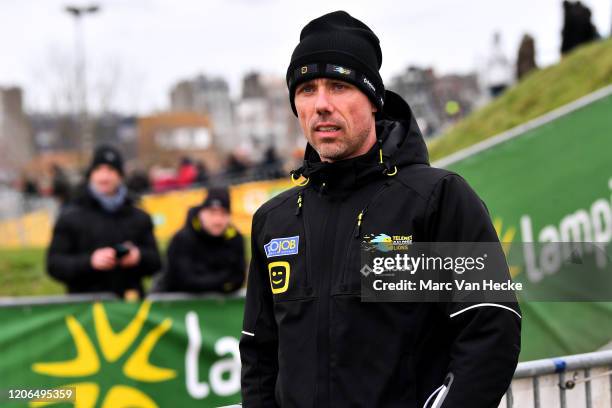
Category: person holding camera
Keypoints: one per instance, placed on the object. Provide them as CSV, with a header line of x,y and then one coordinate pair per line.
x,y
101,241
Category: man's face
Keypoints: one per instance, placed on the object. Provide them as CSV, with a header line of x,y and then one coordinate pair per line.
x,y
336,118
214,220
105,179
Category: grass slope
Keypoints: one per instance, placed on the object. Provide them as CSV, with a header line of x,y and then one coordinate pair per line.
x,y
583,71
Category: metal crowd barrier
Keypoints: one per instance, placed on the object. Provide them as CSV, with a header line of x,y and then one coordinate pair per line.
x,y
576,381
54,300
101,296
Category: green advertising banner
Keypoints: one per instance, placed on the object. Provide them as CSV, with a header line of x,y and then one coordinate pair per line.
x,y
553,184
116,354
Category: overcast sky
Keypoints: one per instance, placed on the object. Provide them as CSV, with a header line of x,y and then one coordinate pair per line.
x,y
147,45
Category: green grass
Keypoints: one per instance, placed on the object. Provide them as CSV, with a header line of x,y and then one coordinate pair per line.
x,y
585,70
22,273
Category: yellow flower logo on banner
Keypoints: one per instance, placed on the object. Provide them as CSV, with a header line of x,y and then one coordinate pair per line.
x,y
113,346
506,237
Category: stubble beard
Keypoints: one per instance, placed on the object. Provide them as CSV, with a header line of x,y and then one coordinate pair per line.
x,y
341,149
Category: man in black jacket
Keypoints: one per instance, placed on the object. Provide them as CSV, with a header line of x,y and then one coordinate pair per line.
x,y
308,340
101,241
207,254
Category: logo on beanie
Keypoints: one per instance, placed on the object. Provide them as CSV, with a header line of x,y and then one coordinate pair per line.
x,y
342,70
304,69
109,156
368,83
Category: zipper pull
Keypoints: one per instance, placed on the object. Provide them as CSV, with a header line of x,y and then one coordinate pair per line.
x,y
359,219
298,210
322,189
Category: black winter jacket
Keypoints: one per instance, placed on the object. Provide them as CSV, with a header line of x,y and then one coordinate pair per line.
x,y
308,340
199,262
82,227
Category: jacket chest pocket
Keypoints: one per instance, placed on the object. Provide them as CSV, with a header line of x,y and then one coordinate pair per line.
x,y
288,280
350,276
374,239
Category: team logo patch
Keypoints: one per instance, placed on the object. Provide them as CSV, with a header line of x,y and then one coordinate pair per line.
x,y
282,246
279,276
386,243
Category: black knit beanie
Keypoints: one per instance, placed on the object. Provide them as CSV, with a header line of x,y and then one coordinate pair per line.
x,y
106,154
218,197
338,45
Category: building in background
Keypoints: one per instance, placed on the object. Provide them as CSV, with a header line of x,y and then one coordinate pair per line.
x,y
416,86
457,96
16,147
210,97
264,118
56,139
437,101
118,130
164,139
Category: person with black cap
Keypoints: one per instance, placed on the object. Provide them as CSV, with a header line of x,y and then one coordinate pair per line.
x,y
308,340
207,254
101,242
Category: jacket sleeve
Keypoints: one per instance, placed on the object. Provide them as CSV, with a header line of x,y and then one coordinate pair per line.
x,y
259,341
486,336
150,261
191,276
64,262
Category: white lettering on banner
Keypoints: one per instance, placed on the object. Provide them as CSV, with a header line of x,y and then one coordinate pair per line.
x,y
195,388
583,225
231,365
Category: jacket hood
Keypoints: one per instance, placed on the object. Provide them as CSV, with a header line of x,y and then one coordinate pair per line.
x,y
193,224
399,138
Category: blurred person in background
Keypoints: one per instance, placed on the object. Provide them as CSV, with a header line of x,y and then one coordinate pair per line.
x,y
29,190
499,69
577,26
271,165
60,185
202,176
525,61
138,182
207,254
162,178
187,173
238,162
101,241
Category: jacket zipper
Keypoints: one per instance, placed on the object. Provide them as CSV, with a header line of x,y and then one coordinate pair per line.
x,y
302,215
324,310
356,233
